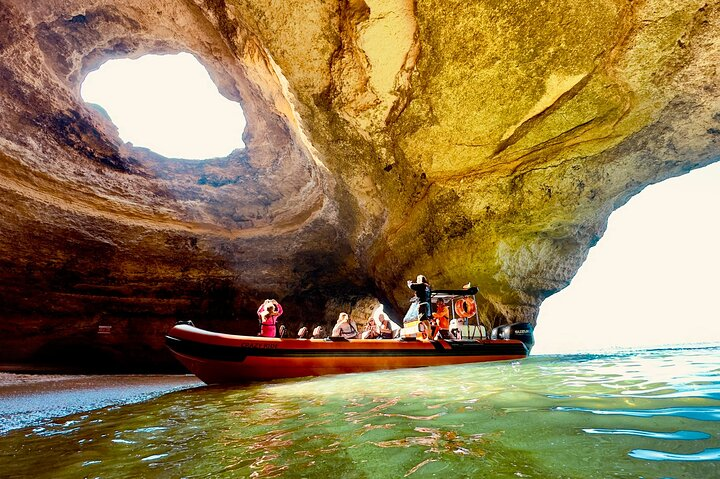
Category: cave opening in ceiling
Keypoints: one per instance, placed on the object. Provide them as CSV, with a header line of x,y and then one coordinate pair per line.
x,y
168,104
651,280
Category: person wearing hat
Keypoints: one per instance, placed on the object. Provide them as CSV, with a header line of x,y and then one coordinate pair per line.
x,y
268,312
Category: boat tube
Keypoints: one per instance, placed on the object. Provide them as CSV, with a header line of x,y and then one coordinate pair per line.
x,y
218,358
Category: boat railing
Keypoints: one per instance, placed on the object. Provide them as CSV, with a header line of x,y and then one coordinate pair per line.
x,y
472,327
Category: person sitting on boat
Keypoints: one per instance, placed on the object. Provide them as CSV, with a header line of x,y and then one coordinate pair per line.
x,y
442,319
386,331
455,329
303,333
345,328
268,312
318,332
422,290
372,329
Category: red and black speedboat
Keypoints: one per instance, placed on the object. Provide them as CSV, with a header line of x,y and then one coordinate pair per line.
x,y
226,358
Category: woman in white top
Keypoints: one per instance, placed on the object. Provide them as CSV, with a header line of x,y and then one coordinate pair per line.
x,y
372,329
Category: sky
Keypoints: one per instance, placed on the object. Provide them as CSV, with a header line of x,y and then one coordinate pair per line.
x,y
167,103
651,280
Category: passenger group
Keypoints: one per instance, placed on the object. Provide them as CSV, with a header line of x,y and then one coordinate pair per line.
x,y
433,325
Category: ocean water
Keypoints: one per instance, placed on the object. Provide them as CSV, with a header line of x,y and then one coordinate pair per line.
x,y
648,414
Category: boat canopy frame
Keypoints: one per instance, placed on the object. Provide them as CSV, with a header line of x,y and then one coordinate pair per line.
x,y
449,296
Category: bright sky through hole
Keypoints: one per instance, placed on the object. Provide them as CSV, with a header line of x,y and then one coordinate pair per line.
x,y
167,103
652,280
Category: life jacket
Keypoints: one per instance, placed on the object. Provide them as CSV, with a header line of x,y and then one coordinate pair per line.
x,y
441,315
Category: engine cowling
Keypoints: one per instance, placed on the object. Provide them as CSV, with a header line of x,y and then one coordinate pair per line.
x,y
520,331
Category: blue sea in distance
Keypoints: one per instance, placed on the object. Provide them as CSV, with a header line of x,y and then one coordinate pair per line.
x,y
640,414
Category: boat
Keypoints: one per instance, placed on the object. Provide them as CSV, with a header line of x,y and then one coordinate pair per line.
x,y
220,358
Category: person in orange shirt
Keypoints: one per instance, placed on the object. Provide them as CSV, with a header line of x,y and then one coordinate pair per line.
x,y
442,320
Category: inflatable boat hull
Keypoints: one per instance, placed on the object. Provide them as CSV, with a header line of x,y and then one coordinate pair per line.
x,y
218,358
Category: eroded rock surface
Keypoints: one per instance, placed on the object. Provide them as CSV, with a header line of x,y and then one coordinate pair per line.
x,y
467,141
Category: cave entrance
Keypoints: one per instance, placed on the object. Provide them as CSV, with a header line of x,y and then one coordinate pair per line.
x,y
168,104
651,281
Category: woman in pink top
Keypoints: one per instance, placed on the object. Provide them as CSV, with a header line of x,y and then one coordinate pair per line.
x,y
268,312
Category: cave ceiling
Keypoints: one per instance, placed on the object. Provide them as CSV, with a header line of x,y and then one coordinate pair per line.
x,y
484,141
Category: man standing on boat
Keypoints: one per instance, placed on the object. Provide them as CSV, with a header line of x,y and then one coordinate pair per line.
x,y
422,297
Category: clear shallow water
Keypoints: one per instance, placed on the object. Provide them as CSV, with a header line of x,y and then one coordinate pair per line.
x,y
652,414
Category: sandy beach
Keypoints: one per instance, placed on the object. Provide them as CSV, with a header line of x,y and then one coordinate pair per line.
x,y
33,399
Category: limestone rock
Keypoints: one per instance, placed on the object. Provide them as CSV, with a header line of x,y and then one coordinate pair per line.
x,y
467,141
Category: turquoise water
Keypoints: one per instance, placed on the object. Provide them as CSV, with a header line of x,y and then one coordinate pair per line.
x,y
649,414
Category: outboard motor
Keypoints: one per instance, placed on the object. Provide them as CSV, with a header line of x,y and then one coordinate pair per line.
x,y
521,331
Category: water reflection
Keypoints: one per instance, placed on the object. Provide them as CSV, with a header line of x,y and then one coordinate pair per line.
x,y
699,413
597,417
677,435
706,455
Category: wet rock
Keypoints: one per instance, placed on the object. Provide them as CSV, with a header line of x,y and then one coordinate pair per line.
x,y
483,141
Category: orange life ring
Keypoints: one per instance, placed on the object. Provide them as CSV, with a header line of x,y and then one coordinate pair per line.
x,y
465,307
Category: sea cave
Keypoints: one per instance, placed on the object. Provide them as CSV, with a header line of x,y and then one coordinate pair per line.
x,y
484,142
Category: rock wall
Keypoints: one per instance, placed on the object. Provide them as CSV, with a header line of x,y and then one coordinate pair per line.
x,y
478,141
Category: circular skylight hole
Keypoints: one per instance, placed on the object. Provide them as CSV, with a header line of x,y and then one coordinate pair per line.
x,y
168,104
